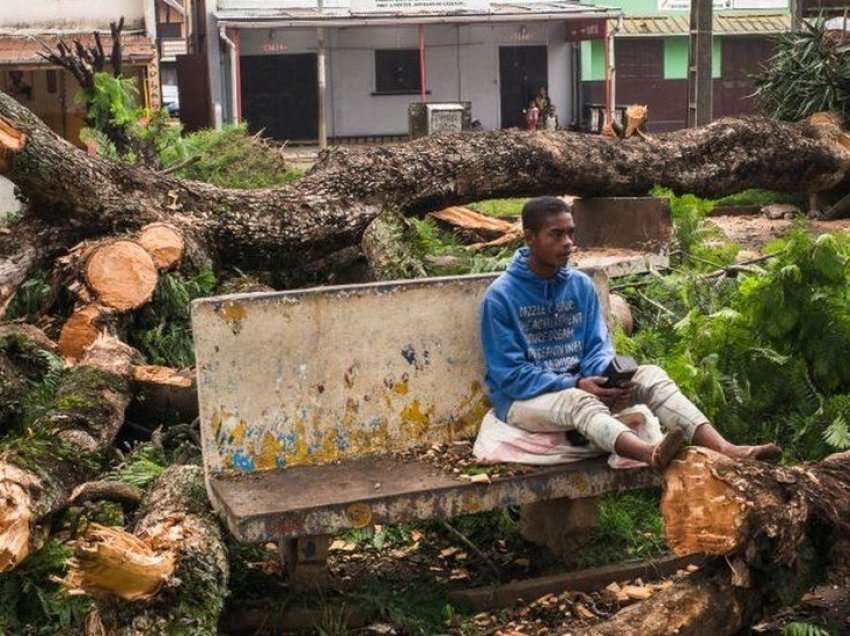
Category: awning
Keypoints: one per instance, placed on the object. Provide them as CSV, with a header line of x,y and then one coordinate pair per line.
x,y
24,50
259,17
723,24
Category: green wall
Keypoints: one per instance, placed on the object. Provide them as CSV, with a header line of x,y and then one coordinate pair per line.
x,y
675,59
650,7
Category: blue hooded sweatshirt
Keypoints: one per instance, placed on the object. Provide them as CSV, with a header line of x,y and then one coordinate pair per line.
x,y
540,335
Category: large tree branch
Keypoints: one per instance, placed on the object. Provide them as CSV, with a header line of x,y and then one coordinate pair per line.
x,y
328,209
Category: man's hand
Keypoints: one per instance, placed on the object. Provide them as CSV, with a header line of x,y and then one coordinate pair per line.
x,y
595,385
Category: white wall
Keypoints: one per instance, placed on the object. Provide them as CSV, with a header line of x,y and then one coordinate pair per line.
x,y
354,110
71,14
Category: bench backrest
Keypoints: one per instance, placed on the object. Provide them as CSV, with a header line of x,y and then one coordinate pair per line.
x,y
317,375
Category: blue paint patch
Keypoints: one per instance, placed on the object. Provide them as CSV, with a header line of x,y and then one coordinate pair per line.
x,y
243,462
280,462
341,440
409,354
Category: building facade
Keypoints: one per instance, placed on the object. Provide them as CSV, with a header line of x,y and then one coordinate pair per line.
x,y
49,91
651,57
269,60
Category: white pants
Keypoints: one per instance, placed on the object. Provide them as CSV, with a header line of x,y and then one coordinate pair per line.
x,y
574,409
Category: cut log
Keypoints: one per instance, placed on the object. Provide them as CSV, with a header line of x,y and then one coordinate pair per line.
x,y
110,561
717,505
288,227
122,274
165,392
175,561
164,243
81,330
621,313
636,118
482,226
64,447
703,603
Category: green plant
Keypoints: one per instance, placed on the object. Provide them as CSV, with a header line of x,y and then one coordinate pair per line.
x,y
629,527
231,158
121,129
804,629
30,298
33,604
142,466
809,73
162,330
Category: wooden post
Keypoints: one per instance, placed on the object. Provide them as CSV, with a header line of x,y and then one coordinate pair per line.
x,y
423,89
700,98
796,7
323,83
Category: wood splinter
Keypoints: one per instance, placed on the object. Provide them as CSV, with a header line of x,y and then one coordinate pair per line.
x,y
112,562
12,140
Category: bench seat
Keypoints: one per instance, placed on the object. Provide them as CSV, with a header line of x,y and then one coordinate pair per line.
x,y
352,493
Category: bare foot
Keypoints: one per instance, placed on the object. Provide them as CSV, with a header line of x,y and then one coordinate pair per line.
x,y
764,452
666,450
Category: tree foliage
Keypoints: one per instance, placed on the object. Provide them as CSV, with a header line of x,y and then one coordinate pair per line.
x,y
809,73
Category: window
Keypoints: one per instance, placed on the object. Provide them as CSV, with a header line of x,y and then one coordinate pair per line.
x,y
397,71
169,29
639,58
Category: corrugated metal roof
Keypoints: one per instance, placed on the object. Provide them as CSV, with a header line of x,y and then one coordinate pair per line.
x,y
251,15
25,49
660,26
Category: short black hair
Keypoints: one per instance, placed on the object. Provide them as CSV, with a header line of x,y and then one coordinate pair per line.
x,y
537,210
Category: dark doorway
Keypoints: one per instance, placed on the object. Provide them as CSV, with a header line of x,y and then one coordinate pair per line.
x,y
280,95
193,86
522,71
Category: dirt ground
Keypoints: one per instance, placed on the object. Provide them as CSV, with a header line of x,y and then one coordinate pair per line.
x,y
752,232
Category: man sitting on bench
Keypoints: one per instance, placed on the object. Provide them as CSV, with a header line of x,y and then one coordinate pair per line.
x,y
546,348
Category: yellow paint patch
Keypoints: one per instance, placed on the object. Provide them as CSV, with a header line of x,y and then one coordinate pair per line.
x,y
239,431
215,424
401,388
233,313
269,451
359,514
414,420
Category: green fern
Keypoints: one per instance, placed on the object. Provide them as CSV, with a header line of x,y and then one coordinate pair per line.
x,y
804,629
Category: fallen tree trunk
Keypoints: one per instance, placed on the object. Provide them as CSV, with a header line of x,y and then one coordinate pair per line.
x,y
170,575
64,447
703,603
283,228
773,525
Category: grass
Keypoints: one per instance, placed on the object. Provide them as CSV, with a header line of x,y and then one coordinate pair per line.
x,y
499,207
759,197
630,527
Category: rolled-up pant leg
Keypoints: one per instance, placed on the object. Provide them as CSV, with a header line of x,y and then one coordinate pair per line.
x,y
571,409
654,388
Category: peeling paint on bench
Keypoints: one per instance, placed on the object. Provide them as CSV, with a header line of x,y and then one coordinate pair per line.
x,y
315,376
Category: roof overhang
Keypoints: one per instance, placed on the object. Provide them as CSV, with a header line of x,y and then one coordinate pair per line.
x,y
24,50
725,25
341,17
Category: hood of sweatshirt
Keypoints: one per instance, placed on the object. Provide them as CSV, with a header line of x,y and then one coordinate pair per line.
x,y
545,287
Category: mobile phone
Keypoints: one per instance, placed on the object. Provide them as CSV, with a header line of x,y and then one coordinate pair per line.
x,y
620,371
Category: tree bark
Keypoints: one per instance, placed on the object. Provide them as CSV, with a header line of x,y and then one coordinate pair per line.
x,y
329,208
703,603
717,505
773,525
170,576
64,447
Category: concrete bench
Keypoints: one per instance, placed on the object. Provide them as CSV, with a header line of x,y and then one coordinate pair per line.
x,y
307,396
